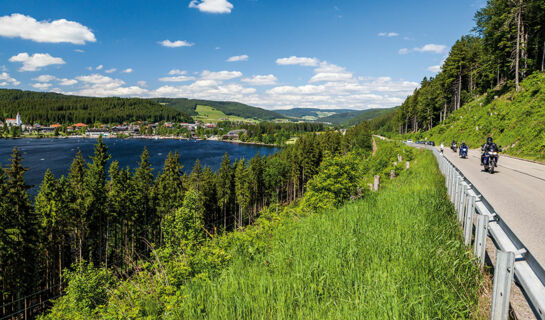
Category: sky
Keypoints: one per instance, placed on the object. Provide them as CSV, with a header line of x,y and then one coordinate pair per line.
x,y
274,54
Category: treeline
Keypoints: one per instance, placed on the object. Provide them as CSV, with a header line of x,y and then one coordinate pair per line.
x,y
269,132
230,108
48,108
508,46
114,217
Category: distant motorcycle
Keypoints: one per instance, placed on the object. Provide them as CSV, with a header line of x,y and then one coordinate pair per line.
x,y
463,152
454,147
490,161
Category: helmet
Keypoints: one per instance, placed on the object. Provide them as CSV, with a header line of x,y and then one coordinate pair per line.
x,y
489,140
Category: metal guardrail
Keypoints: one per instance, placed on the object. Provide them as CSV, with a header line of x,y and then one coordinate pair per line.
x,y
512,254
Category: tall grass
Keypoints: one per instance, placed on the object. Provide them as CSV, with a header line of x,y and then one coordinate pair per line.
x,y
397,254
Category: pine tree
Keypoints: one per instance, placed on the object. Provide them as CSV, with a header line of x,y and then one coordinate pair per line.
x,y
225,187
24,229
76,196
95,202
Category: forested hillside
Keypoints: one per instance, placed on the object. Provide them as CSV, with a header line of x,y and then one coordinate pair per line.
x,y
47,107
229,108
310,113
515,120
507,46
354,117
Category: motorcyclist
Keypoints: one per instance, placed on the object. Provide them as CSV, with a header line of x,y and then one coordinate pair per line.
x,y
463,145
489,146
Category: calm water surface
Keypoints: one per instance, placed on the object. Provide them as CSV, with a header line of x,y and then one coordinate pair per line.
x,y
57,154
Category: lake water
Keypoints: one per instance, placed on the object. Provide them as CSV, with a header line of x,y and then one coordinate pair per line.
x,y
57,154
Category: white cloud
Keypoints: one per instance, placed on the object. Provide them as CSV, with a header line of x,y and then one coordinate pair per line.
x,y
79,50
177,79
238,58
220,75
435,48
128,70
177,71
142,83
330,72
212,6
261,80
103,86
388,34
67,82
56,31
112,70
302,61
176,44
3,68
42,86
6,79
403,51
45,78
36,61
99,67
436,68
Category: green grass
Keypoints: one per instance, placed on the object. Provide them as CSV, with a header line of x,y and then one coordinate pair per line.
x,y
397,254
209,114
515,120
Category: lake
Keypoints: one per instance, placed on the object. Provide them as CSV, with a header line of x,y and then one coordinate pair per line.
x,y
57,154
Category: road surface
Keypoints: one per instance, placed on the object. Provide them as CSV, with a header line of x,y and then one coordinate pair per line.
x,y
516,192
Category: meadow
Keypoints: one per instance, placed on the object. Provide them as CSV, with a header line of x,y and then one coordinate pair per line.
x,y
396,254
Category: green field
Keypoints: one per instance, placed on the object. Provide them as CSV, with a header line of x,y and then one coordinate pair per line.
x,y
397,254
209,114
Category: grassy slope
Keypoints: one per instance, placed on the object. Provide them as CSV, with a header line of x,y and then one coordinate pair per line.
x,y
515,120
310,113
394,255
227,107
209,114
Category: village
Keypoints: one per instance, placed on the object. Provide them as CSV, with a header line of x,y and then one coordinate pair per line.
x,y
15,127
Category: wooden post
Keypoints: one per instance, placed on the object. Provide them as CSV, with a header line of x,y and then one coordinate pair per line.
x,y
392,174
407,165
399,158
376,183
26,315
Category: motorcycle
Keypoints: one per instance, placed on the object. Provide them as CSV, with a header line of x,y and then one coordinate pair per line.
x,y
490,159
463,152
454,147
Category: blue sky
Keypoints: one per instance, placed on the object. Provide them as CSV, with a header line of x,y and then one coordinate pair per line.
x,y
273,54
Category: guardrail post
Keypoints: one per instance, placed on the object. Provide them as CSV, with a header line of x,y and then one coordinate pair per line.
x,y
468,223
463,209
503,276
481,233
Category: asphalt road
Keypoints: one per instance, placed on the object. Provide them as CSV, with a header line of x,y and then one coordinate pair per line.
x,y
516,191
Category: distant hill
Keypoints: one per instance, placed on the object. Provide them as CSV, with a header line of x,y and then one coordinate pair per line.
x,y
354,117
310,113
237,109
48,107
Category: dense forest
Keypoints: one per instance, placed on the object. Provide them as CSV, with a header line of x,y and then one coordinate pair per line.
x,y
48,108
507,46
116,217
188,106
354,117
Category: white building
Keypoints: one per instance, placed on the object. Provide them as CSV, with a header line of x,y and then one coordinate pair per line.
x,y
14,121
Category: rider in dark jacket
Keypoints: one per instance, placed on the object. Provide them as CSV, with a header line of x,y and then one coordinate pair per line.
x,y
462,146
489,146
